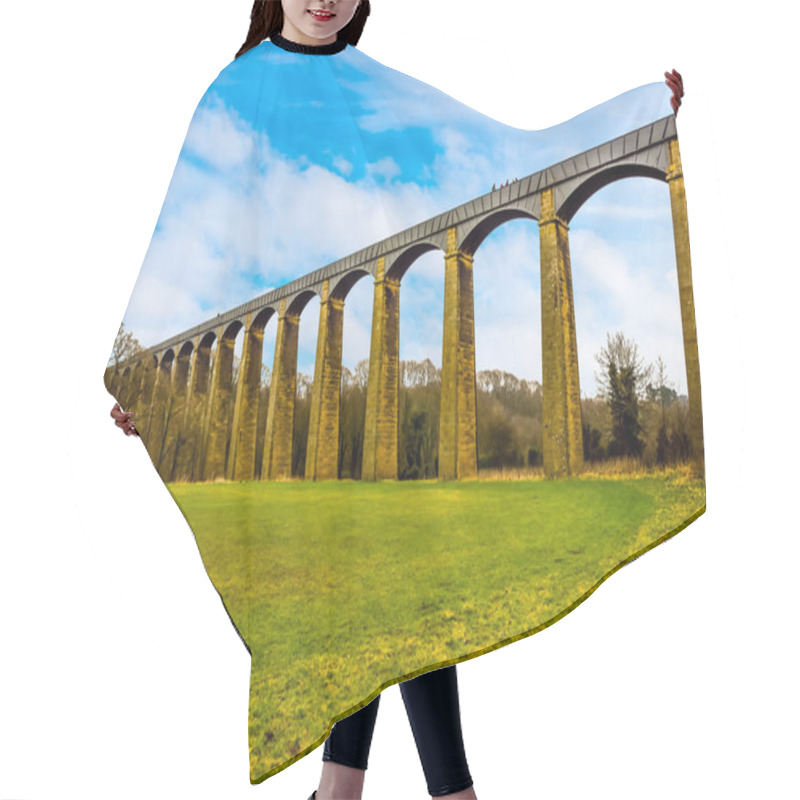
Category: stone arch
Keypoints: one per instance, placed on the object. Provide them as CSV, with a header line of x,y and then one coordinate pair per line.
x,y
262,318
300,301
650,268
342,287
485,226
323,439
244,433
406,258
521,301
232,331
581,193
207,341
336,434
165,359
276,462
186,350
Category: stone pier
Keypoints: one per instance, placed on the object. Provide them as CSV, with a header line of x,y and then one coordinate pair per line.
x,y
562,433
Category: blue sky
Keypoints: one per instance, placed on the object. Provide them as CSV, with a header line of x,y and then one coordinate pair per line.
x,y
292,161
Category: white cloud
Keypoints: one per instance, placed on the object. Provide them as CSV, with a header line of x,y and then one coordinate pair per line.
x,y
508,328
612,294
227,232
341,164
219,136
395,101
385,168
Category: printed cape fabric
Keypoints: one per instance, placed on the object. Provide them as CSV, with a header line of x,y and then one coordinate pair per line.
x,y
418,380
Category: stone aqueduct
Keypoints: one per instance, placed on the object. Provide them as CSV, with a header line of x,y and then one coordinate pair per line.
x,y
183,401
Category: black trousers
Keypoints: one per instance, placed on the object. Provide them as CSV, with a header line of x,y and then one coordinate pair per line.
x,y
431,701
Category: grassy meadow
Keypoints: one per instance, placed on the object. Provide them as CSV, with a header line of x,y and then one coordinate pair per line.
x,y
343,588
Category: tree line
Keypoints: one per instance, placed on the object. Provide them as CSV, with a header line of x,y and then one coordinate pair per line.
x,y
637,413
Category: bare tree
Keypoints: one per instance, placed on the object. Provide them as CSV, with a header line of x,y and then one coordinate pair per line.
x,y
126,346
623,353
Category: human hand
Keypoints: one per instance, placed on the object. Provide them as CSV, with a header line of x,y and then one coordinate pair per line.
x,y
675,82
124,420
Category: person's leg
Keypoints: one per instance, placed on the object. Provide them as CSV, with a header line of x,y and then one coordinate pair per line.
x,y
345,755
432,705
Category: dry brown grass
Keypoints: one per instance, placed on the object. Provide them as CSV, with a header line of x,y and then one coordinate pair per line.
x,y
511,474
628,467
623,467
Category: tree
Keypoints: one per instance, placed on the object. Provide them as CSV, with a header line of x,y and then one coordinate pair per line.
x,y
126,346
663,449
592,449
418,411
352,413
302,420
622,383
664,394
265,378
236,368
663,390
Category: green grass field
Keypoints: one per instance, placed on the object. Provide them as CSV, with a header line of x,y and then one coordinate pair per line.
x,y
355,586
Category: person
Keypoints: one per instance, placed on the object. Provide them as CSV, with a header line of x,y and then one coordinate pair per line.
x,y
431,699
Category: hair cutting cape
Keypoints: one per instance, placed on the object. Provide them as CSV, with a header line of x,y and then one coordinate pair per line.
x,y
419,381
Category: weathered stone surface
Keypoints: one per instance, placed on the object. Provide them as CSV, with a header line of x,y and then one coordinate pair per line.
x,y
381,425
322,455
458,443
277,461
562,434
220,408
680,227
242,456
